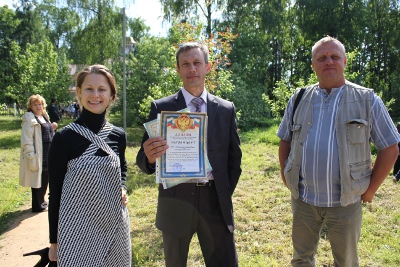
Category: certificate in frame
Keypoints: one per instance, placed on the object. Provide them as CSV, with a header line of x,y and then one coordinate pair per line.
x,y
186,136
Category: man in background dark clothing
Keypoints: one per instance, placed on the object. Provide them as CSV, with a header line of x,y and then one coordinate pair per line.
x,y
54,112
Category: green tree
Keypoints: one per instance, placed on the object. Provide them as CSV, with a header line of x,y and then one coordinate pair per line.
x,y
90,47
38,70
189,10
149,67
98,36
31,29
137,28
60,22
8,26
378,44
262,54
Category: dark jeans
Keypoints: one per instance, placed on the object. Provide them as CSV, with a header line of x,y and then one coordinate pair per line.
x,y
39,193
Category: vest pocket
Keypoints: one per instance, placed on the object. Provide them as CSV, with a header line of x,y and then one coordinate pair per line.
x,y
361,177
288,173
356,130
295,131
288,164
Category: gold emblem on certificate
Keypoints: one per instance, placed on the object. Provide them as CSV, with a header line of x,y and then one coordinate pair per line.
x,y
183,122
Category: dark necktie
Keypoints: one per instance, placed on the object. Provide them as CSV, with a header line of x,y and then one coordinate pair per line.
x,y
197,101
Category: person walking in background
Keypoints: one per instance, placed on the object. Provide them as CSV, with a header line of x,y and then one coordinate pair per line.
x,y
188,208
77,110
72,110
18,106
88,218
396,166
54,112
37,132
325,156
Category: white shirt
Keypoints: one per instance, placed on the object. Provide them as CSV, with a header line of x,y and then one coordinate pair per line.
x,y
188,98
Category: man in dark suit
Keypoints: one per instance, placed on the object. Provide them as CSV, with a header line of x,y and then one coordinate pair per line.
x,y
206,208
54,112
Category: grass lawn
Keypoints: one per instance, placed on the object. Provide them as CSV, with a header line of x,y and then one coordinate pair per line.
x,y
261,205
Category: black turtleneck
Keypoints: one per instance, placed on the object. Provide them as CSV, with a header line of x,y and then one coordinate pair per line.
x,y
92,121
67,145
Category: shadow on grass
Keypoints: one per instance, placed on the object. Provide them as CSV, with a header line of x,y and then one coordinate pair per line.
x,y
11,220
271,169
10,142
10,123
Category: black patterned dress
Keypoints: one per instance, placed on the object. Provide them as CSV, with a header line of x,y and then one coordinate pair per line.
x,y
93,227
86,173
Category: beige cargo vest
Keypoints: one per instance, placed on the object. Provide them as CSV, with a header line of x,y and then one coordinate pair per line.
x,y
352,125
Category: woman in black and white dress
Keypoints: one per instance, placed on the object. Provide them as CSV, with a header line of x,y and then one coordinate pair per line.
x,y
88,219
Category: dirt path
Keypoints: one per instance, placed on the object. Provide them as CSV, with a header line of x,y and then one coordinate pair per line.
x,y
28,232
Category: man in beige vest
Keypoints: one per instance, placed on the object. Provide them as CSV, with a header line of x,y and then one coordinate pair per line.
x,y
325,156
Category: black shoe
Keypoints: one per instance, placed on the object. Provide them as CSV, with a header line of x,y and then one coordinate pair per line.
x,y
44,257
39,210
43,207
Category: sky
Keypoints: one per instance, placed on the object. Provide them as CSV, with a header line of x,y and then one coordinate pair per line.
x,y
148,10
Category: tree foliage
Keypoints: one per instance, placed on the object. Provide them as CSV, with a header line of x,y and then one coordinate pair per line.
x,y
38,70
60,22
8,26
192,11
260,50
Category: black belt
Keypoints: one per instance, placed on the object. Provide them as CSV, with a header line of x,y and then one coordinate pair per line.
x,y
209,183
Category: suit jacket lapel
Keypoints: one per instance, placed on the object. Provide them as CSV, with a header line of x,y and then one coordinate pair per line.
x,y
179,101
212,106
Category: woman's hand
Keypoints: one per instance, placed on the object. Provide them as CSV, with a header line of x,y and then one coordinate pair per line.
x,y
55,125
125,199
53,252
